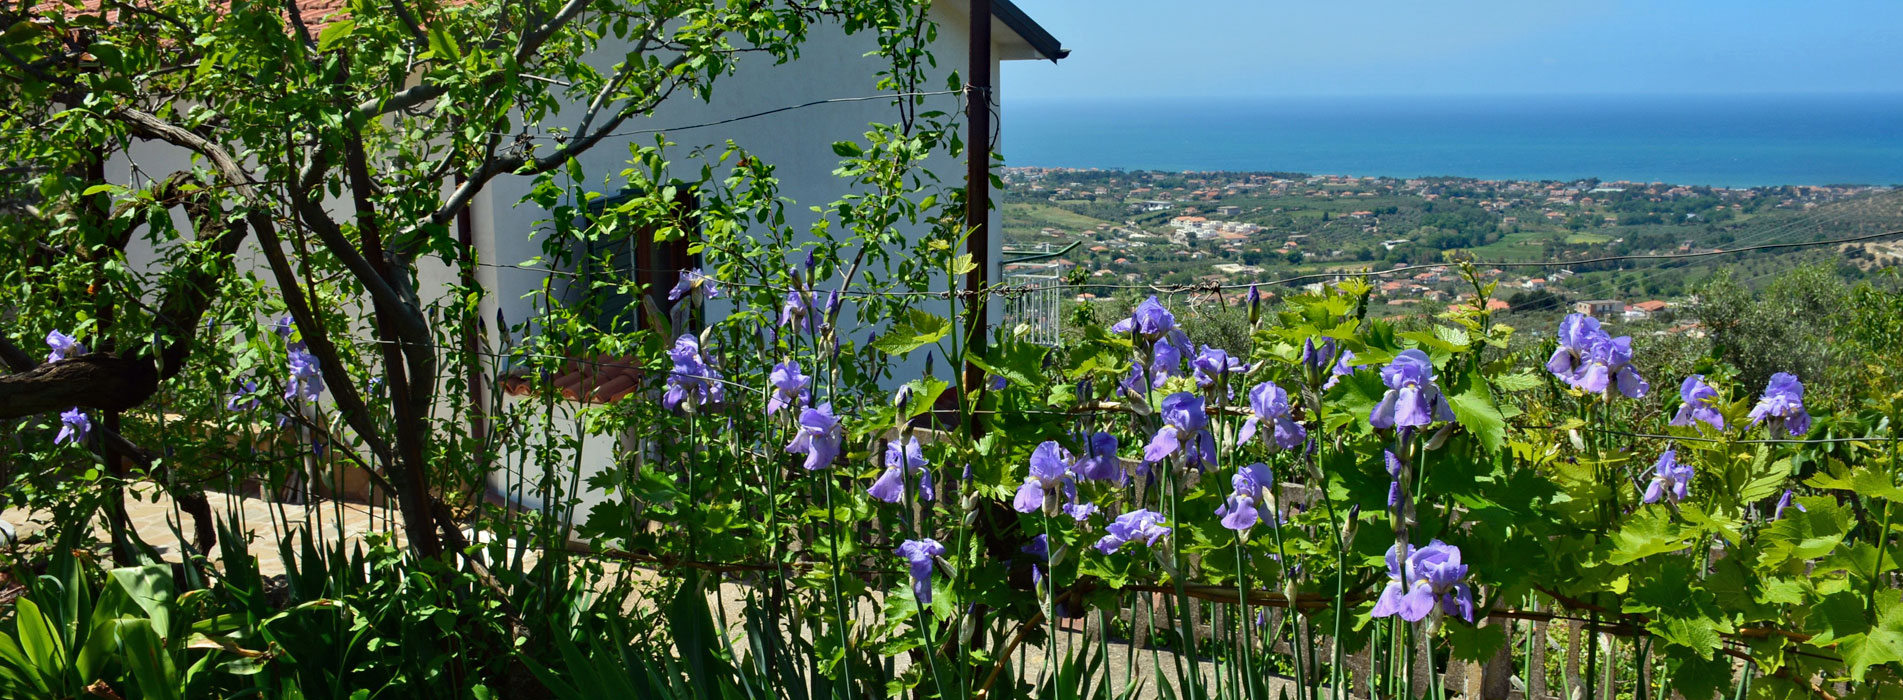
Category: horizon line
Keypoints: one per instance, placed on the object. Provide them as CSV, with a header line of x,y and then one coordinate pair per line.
x,y
1309,95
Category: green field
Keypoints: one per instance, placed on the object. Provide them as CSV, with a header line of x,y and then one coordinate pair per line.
x,y
1030,217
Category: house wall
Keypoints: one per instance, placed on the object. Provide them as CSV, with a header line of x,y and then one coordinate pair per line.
x,y
798,143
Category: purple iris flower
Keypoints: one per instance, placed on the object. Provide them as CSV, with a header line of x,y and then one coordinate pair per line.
x,y
1700,404
1591,360
1611,361
1248,487
1342,369
307,379
789,387
74,427
1254,300
1269,403
1671,479
1050,472
1100,461
1141,524
1421,580
1168,359
1786,501
1783,404
692,381
702,286
244,399
1577,335
1412,399
795,311
890,486
1185,428
1214,364
919,554
63,346
1149,318
284,326
819,437
832,305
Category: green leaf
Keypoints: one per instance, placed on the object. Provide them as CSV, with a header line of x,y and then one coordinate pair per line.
x,y
917,330
1863,480
441,43
1696,677
337,31
1020,363
96,189
1803,534
1700,634
1883,643
1435,341
1479,416
1521,381
847,149
1650,531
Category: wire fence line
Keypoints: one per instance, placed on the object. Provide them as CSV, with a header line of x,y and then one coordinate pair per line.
x,y
755,115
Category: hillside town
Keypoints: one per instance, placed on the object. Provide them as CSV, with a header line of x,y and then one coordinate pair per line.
x,y
1145,227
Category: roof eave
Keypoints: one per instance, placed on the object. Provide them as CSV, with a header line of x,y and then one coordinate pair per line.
x,y
1034,34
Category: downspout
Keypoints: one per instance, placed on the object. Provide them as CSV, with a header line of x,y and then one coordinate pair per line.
x,y
978,102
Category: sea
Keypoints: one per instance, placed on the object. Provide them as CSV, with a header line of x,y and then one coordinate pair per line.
x,y
1720,141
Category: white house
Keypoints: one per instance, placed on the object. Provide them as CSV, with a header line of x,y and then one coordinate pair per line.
x,y
831,64
798,142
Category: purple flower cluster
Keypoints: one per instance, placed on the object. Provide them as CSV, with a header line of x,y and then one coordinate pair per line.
x,y
1141,524
890,486
819,437
1700,404
1251,485
1420,581
692,381
796,310
1671,479
1412,400
919,554
63,346
306,377
1592,361
1783,405
1100,461
1186,429
693,282
1268,403
1053,470
244,399
74,427
1213,366
1170,345
790,387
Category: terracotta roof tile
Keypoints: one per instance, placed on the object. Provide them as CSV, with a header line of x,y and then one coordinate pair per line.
x,y
589,379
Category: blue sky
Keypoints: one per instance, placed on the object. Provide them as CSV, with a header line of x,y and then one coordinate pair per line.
x,y
1463,47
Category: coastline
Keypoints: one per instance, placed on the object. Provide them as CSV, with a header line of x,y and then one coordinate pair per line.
x,y
1718,141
